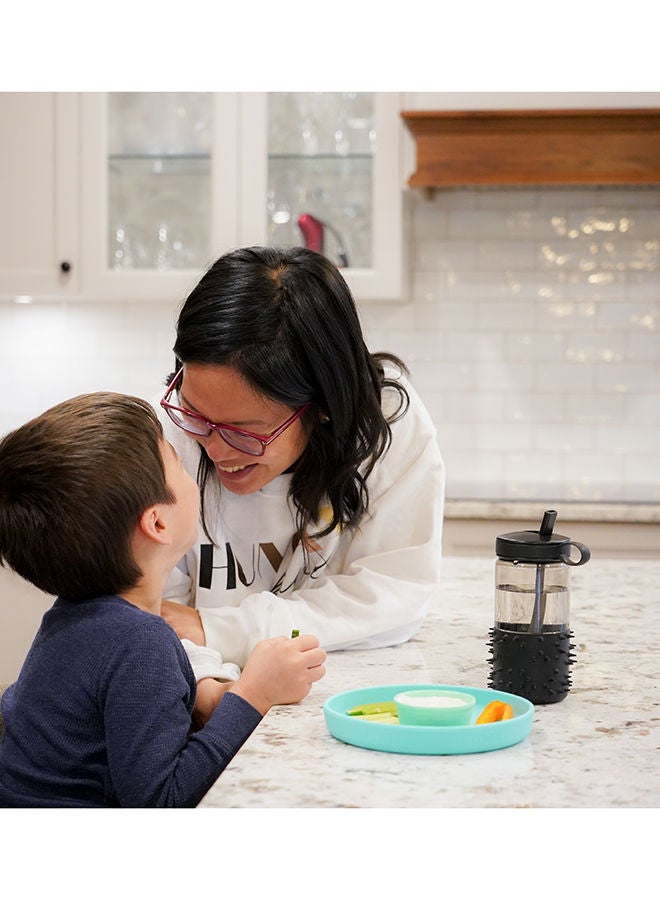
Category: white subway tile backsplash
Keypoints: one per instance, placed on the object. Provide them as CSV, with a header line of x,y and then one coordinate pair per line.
x,y
505,254
507,315
641,471
464,224
559,339
568,378
565,440
444,255
441,377
470,407
386,317
469,470
628,316
430,222
626,378
592,348
511,199
500,376
543,411
468,285
445,315
588,257
592,408
455,436
486,346
624,199
539,471
643,286
623,441
642,224
534,347
415,348
528,224
453,198
505,437
643,408
591,471
564,315
556,199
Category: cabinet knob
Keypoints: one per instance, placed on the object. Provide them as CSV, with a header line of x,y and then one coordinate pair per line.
x,y
65,265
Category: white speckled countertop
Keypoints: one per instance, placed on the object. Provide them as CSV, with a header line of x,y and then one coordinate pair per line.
x,y
599,747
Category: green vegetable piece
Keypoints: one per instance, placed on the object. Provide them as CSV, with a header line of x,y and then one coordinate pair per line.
x,y
367,709
295,633
383,718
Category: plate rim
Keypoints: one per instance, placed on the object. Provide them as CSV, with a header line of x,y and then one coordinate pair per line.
x,y
427,739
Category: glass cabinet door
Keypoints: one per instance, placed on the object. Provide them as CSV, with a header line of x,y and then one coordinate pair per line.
x,y
334,183
159,180
320,174
159,190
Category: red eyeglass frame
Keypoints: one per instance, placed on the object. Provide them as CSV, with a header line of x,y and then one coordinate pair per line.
x,y
219,427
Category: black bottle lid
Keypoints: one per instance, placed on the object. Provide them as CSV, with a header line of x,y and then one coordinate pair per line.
x,y
540,546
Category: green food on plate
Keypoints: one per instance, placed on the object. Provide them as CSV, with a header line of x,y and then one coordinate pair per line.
x,y
370,709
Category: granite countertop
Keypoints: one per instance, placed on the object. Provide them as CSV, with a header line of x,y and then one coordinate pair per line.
x,y
599,747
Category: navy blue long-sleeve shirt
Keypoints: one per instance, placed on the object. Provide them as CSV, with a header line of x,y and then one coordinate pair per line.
x,y
101,715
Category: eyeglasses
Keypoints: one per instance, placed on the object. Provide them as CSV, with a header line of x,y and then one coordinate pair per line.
x,y
238,438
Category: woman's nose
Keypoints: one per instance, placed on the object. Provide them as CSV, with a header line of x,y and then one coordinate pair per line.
x,y
214,445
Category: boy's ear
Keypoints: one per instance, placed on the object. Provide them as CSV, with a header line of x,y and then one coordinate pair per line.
x,y
153,525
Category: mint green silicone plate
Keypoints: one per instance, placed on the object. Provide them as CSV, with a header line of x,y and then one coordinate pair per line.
x,y
427,739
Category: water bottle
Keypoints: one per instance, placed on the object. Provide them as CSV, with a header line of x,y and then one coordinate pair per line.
x,y
531,649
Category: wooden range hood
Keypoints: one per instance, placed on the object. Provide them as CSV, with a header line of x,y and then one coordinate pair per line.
x,y
535,147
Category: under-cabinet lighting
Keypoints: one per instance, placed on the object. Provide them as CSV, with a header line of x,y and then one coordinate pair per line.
x,y
23,298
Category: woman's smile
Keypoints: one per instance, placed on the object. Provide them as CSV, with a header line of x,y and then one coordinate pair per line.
x,y
230,469
231,475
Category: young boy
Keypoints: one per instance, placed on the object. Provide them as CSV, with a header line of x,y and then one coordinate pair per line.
x,y
96,508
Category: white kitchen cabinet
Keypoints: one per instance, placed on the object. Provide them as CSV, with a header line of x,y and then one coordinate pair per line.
x,y
334,157
138,193
159,191
39,247
172,181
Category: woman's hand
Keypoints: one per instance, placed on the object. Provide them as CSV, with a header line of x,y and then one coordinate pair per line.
x,y
185,621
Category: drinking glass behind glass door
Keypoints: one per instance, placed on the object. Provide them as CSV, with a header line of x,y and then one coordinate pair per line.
x,y
159,180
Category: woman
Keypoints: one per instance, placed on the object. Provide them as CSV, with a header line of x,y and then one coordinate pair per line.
x,y
321,480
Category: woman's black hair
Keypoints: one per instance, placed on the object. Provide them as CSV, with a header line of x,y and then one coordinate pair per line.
x,y
285,320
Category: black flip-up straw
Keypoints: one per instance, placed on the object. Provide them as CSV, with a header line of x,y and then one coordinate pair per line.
x,y
540,596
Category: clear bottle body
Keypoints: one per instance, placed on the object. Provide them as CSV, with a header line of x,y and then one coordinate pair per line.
x,y
531,597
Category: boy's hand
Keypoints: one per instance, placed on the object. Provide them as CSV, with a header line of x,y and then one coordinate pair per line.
x,y
209,694
280,670
184,620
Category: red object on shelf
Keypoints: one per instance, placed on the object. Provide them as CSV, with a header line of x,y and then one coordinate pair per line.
x,y
312,231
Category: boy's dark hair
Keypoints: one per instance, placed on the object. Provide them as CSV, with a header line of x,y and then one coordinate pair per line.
x,y
74,482
285,319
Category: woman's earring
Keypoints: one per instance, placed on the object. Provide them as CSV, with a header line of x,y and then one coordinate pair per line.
x,y
324,419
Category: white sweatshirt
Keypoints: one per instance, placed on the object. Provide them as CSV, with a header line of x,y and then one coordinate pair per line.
x,y
363,588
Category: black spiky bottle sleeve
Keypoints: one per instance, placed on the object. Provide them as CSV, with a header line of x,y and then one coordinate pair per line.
x,y
534,666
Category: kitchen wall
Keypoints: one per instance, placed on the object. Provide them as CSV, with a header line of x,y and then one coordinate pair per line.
x,y
531,325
